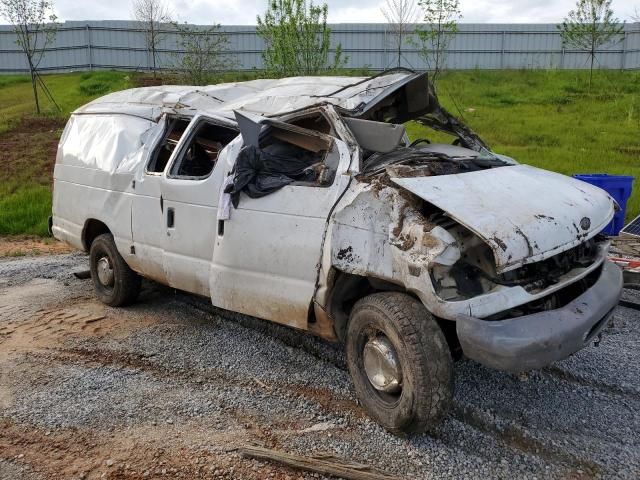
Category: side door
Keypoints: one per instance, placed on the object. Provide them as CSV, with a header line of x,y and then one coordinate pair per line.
x,y
147,212
189,191
267,255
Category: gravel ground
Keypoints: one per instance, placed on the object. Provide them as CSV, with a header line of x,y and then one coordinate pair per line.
x,y
169,387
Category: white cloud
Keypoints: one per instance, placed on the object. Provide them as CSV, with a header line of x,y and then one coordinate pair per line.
x,y
244,12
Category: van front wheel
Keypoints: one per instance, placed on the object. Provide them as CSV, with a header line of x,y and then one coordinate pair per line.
x,y
400,362
114,282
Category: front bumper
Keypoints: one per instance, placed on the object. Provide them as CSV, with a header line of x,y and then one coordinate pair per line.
x,y
534,341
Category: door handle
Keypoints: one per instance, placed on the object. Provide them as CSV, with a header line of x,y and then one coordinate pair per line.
x,y
161,204
171,214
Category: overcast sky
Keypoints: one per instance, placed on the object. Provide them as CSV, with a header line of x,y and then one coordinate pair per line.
x,y
243,12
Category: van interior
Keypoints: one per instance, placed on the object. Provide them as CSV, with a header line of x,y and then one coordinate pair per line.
x,y
201,153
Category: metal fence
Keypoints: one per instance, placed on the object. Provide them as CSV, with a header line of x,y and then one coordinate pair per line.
x,y
121,45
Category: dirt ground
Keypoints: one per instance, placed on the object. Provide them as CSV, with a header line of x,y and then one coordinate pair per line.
x,y
22,246
170,387
29,149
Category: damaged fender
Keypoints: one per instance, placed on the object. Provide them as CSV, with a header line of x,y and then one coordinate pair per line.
x,y
379,232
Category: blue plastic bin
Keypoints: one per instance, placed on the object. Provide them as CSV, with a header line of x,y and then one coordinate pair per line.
x,y
619,187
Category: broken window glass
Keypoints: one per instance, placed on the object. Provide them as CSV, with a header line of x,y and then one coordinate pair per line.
x,y
285,155
201,153
175,129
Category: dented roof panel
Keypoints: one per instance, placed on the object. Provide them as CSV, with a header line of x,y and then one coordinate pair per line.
x,y
261,97
524,213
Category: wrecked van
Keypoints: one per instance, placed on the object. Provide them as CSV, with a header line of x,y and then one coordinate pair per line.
x,y
302,201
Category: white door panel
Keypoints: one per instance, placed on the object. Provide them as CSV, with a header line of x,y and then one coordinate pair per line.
x,y
190,235
266,262
189,241
148,228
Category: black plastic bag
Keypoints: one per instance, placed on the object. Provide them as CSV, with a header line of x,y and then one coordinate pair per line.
x,y
259,172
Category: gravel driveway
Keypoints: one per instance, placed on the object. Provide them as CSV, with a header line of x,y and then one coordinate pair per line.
x,y
169,387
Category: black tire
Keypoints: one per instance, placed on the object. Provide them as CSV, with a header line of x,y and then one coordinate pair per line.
x,y
422,352
124,287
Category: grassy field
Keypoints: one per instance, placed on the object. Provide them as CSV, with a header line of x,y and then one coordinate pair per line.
x,y
28,143
548,119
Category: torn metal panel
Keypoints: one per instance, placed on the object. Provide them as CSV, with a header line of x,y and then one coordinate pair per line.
x,y
395,96
302,137
261,97
525,214
380,233
376,136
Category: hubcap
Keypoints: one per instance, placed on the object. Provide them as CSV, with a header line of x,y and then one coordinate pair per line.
x,y
381,365
105,272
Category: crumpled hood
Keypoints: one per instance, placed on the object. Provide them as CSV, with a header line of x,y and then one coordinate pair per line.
x,y
523,213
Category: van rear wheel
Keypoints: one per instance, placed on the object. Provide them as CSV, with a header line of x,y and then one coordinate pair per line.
x,y
400,362
114,282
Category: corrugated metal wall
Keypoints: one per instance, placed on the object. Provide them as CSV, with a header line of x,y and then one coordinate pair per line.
x,y
121,45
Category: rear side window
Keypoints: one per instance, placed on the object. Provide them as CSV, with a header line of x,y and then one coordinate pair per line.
x,y
175,129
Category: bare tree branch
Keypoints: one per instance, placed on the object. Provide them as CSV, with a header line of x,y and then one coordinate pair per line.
x,y
34,23
441,19
152,13
401,15
589,26
206,53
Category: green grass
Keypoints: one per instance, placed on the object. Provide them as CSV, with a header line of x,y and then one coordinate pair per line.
x,y
549,119
27,143
70,91
26,210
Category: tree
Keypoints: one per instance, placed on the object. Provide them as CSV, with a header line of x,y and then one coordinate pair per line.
x,y
298,38
441,18
590,26
205,53
35,28
401,15
152,13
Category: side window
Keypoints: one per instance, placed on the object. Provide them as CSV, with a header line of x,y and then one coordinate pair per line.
x,y
306,156
200,154
175,129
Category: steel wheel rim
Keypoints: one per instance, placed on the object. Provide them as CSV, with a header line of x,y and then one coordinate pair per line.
x,y
105,271
382,365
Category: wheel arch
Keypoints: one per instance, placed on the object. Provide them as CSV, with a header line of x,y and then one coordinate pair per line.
x,y
348,288
91,230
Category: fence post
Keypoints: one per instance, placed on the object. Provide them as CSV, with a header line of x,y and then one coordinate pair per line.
x,y
385,40
624,50
504,34
87,35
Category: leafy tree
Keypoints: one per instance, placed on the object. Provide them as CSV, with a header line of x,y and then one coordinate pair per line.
x,y
589,26
298,38
204,53
152,14
441,19
34,24
401,15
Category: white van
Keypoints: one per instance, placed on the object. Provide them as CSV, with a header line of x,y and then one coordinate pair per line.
x,y
301,201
